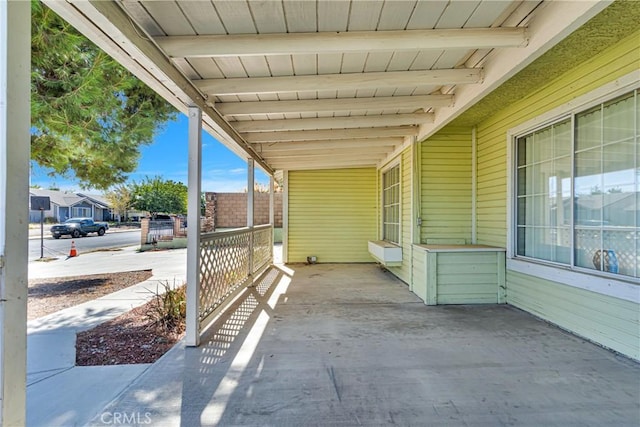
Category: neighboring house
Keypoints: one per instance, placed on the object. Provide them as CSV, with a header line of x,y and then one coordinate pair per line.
x,y
101,206
65,205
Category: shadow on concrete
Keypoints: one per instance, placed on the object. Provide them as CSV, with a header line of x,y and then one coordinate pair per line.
x,y
349,345
231,341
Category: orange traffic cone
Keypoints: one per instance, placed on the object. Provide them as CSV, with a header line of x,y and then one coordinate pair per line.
x,y
73,252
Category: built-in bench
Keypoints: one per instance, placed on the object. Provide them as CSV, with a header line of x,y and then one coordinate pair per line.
x,y
459,274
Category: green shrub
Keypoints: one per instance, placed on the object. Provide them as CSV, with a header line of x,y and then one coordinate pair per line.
x,y
168,308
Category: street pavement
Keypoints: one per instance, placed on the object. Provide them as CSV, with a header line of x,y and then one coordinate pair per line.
x,y
34,233
60,248
58,392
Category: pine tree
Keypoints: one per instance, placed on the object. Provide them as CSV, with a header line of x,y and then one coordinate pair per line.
x,y
89,116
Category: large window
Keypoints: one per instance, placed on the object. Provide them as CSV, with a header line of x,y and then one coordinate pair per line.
x,y
578,185
81,212
391,205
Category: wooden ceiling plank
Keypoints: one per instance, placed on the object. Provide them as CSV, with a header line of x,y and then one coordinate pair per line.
x,y
184,66
333,16
457,13
365,15
170,17
230,68
202,17
304,64
280,65
395,15
487,13
341,104
142,17
300,16
235,16
268,16
206,68
426,14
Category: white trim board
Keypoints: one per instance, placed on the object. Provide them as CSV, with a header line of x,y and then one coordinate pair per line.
x,y
588,282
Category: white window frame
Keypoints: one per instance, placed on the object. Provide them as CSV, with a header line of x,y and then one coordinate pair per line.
x,y
623,287
395,163
75,209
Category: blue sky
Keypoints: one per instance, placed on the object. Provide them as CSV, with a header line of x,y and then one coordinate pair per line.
x,y
222,170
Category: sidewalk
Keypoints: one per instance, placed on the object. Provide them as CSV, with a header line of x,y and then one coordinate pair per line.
x,y
58,392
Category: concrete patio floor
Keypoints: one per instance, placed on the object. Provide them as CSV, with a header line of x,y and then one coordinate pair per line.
x,y
350,345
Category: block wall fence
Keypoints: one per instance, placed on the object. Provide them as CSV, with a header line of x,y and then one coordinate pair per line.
x,y
229,210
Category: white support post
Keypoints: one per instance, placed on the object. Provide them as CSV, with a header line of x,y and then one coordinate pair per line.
x,y
285,216
250,191
15,69
272,212
272,206
192,338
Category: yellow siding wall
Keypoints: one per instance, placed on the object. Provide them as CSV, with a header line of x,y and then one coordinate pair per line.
x,y
492,133
404,272
332,214
609,321
446,185
612,322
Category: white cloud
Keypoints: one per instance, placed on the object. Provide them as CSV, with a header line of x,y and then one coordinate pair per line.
x,y
218,185
238,171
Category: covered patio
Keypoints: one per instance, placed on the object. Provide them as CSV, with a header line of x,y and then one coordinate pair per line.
x,y
387,121
350,345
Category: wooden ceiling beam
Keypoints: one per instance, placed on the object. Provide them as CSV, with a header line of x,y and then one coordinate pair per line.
x,y
380,120
303,135
351,81
327,144
322,164
416,102
207,46
339,152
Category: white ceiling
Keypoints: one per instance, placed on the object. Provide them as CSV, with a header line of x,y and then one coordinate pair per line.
x,y
320,84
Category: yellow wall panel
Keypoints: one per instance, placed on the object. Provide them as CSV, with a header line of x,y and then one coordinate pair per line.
x,y
332,214
609,321
445,199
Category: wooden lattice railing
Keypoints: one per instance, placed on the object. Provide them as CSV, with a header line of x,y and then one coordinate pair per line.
x,y
229,262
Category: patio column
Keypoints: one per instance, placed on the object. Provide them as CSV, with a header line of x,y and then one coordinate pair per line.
x,y
192,337
272,212
250,223
250,190
15,68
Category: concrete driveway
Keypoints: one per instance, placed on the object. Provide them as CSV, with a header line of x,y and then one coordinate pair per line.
x,y
350,345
